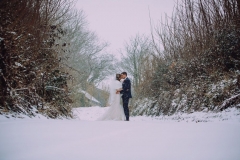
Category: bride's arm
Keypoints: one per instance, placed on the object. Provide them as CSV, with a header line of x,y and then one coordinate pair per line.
x,y
120,89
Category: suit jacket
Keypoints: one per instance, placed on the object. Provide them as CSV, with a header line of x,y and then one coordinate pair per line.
x,y
126,88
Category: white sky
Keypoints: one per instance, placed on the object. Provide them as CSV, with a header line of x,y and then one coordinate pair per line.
x,y
115,21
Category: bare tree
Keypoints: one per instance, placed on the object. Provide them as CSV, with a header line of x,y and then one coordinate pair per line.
x,y
134,57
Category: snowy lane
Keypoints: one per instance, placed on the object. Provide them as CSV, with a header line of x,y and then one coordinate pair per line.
x,y
109,140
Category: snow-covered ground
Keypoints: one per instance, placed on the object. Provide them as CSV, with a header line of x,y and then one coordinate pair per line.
x,y
178,137
229,115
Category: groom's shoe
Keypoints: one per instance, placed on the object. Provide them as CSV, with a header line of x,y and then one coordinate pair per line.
x,y
127,119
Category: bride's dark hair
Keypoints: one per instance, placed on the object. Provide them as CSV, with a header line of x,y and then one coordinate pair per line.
x,y
118,77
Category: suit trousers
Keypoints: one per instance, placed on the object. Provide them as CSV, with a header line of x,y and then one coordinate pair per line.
x,y
125,106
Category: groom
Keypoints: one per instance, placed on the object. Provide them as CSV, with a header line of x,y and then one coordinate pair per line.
x,y
126,93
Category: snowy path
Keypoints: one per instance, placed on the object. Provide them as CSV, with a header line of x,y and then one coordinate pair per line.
x,y
42,139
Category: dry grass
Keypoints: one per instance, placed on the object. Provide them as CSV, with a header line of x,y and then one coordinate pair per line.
x,y
201,46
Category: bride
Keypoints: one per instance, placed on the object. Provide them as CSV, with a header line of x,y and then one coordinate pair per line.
x,y
115,111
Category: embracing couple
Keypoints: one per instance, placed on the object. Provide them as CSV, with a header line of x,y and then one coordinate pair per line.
x,y
119,87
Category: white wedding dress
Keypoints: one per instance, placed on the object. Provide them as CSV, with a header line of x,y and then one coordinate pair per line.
x,y
115,111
